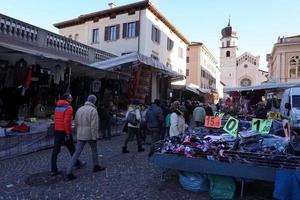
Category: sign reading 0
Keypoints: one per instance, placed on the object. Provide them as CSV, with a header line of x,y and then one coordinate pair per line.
x,y
232,126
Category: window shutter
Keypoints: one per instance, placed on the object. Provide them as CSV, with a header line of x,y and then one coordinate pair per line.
x,y
106,33
152,33
137,28
118,31
125,30
158,35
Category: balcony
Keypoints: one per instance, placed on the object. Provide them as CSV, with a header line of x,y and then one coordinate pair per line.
x,y
25,37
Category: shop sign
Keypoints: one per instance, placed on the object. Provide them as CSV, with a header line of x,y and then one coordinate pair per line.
x,y
274,115
232,126
261,126
212,122
218,114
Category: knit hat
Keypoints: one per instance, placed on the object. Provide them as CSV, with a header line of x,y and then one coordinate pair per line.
x,y
92,98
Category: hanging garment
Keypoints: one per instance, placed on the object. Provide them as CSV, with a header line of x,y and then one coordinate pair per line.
x,y
58,74
96,85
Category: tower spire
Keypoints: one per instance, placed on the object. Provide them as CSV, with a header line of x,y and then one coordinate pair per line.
x,y
228,21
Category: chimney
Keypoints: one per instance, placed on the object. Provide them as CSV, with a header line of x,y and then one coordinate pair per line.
x,y
111,5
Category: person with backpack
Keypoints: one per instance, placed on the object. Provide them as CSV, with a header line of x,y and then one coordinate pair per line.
x,y
63,131
133,118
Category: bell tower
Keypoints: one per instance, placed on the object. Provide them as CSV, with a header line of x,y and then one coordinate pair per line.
x,y
228,51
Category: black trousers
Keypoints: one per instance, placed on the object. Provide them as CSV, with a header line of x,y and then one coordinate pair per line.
x,y
59,140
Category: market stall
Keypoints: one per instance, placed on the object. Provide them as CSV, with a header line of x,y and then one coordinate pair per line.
x,y
228,146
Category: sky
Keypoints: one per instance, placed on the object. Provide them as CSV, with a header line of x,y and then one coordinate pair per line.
x,y
258,22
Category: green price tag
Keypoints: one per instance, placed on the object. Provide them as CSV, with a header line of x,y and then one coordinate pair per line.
x,y
218,114
256,124
261,126
232,126
265,129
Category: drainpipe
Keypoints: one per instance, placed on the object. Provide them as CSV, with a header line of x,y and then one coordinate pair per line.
x,y
139,32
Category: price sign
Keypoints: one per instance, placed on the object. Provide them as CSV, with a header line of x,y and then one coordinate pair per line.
x,y
232,126
256,124
261,126
212,122
274,115
218,114
266,127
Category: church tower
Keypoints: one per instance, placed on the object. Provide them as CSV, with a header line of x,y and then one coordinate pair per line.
x,y
228,51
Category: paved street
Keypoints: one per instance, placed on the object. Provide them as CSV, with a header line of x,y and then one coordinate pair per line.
x,y
127,177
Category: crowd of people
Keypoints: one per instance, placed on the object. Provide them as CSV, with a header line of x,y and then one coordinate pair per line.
x,y
157,120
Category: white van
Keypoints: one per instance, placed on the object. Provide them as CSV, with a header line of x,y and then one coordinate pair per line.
x,y
290,106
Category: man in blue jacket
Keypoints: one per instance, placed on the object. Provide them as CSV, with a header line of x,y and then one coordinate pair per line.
x,y
154,119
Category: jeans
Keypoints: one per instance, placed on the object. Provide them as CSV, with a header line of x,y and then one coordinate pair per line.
x,y
106,128
79,148
155,135
131,133
59,140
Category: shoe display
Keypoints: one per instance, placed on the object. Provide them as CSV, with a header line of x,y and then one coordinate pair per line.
x,y
98,168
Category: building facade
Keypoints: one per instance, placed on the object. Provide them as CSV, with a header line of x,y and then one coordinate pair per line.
x,y
202,68
137,27
284,60
236,70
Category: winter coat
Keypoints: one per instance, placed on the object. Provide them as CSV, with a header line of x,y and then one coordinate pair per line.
x,y
199,114
177,124
154,116
87,122
63,115
137,114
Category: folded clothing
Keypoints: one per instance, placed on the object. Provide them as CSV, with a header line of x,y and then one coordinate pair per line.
x,y
22,128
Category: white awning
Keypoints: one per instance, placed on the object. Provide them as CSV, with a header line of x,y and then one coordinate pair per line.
x,y
264,86
115,63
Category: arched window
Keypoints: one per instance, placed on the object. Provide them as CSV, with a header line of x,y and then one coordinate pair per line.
x,y
246,82
295,67
227,53
245,66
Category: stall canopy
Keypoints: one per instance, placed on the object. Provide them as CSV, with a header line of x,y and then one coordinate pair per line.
x,y
78,68
115,63
264,86
190,87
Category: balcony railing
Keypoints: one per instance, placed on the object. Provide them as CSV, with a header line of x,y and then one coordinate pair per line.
x,y
18,33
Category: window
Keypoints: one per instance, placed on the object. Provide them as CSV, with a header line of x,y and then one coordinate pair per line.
x,y
227,53
155,35
170,44
180,52
245,82
112,33
131,30
95,37
245,66
187,72
228,43
187,59
294,67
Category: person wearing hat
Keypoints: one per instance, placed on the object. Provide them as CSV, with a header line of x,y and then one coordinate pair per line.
x,y
133,128
87,125
178,125
63,115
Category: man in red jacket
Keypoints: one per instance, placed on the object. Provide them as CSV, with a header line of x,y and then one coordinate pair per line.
x,y
63,131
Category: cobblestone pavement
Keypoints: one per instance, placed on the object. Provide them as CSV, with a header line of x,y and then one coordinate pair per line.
x,y
127,177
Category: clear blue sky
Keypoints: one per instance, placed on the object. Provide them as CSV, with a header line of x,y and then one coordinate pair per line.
x,y
258,22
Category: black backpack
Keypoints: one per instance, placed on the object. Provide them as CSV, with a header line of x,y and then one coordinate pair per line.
x,y
131,118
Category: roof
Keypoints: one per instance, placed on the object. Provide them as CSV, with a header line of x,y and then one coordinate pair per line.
x,y
146,4
115,63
